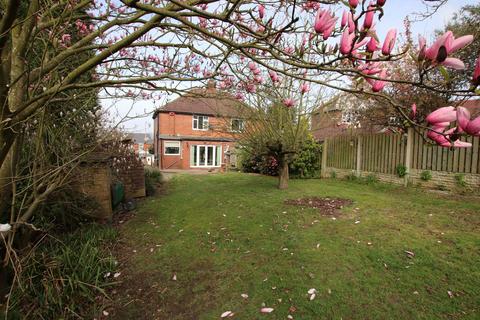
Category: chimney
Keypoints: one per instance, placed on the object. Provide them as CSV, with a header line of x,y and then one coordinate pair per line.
x,y
211,86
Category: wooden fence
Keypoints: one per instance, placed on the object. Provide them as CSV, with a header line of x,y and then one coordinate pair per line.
x,y
383,153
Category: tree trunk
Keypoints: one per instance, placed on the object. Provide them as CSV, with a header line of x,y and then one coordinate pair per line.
x,y
283,173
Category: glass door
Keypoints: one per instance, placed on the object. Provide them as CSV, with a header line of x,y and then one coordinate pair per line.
x,y
205,156
201,156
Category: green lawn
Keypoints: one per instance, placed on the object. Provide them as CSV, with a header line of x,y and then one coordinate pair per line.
x,y
231,234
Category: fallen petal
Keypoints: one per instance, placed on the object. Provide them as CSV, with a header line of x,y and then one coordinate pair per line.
x,y
227,314
266,310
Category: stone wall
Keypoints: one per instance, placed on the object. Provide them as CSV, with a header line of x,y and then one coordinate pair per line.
x,y
439,179
94,181
132,176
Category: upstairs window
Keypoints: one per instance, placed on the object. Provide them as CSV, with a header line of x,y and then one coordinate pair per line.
x,y
238,125
200,122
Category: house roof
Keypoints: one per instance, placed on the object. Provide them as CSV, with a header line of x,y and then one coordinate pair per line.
x,y
139,137
207,101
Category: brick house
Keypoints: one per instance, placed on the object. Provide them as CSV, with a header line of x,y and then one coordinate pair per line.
x,y
343,113
141,144
197,130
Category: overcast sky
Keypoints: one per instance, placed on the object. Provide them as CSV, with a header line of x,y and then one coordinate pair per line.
x,y
140,111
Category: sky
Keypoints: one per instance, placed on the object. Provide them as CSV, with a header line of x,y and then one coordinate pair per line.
x,y
136,116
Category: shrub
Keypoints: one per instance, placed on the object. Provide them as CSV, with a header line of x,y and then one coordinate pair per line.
x,y
426,175
351,176
371,178
65,210
401,170
267,165
333,174
306,163
460,180
153,178
64,276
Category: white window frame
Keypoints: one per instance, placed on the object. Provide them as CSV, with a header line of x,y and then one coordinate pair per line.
x,y
195,119
214,155
171,154
231,125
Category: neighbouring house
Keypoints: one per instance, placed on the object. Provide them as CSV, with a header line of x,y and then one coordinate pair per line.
x,y
198,130
338,116
141,144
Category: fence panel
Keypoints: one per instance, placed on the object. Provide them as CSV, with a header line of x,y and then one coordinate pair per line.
x,y
383,152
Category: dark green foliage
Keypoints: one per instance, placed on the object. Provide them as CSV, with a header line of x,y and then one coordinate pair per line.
x,y
306,163
333,175
351,177
65,211
426,175
401,170
63,277
460,180
267,165
153,178
371,178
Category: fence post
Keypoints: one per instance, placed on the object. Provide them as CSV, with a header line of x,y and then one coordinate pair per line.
x,y
359,156
324,158
408,154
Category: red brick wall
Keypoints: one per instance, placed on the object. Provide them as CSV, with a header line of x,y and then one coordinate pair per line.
x,y
182,124
182,161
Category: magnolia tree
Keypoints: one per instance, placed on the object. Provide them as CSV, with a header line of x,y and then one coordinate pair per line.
x,y
277,127
145,48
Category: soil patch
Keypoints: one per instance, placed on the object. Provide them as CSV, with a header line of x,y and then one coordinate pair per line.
x,y
326,206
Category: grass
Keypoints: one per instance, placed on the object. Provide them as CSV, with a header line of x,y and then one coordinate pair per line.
x,y
230,234
65,277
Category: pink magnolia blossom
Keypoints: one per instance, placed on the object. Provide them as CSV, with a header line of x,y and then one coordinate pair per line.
x,y
442,115
389,42
370,68
289,102
476,73
372,45
239,96
353,3
473,127
261,11
66,38
252,65
447,44
463,118
381,3
274,76
344,20
324,23
422,47
368,22
437,133
258,79
378,85
289,50
466,125
251,88
351,23
346,42
413,113
304,88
